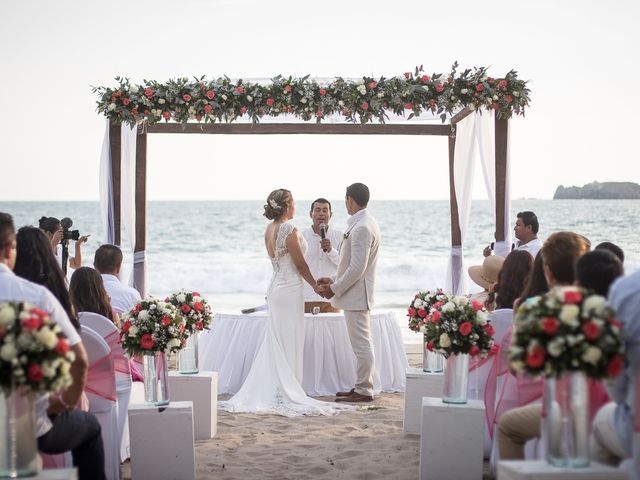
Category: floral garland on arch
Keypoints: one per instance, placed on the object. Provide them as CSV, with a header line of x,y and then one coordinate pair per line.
x,y
225,100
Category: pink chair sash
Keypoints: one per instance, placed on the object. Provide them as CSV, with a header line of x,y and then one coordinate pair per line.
x,y
120,362
101,379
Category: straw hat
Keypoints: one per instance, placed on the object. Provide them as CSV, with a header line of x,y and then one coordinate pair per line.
x,y
487,274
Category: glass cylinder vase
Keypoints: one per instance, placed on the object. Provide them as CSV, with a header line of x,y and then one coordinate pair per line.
x,y
188,356
566,420
456,379
18,445
156,378
432,362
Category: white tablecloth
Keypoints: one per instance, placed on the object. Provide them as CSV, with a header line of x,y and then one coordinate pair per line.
x,y
329,363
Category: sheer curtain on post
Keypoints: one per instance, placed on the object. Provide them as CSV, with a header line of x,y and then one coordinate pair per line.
x,y
106,189
463,167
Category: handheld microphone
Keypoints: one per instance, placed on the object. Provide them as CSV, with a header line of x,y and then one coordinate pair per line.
x,y
323,233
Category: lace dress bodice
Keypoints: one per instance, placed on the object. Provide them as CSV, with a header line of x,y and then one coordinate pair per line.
x,y
282,257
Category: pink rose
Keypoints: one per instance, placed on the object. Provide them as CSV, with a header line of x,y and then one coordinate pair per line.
x,y
239,89
550,325
196,294
126,326
288,88
474,350
435,317
208,108
243,110
490,80
572,297
440,88
186,97
166,321
591,330
465,328
408,106
422,313
270,102
166,115
502,84
210,94
479,87
146,342
411,312
535,357
425,78
489,330
34,373
322,92
198,117
34,322
508,98
429,346
199,325
126,101
197,306
615,366
365,106
185,308
476,305
372,85
319,114
407,74
148,92
62,347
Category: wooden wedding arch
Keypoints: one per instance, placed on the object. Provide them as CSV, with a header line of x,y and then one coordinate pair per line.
x,y
446,130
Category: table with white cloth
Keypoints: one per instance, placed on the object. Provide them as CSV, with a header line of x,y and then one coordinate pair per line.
x,y
329,362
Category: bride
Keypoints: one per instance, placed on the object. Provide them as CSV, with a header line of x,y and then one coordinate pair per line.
x,y
273,384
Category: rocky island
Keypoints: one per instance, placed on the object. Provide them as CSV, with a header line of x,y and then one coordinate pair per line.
x,y
599,191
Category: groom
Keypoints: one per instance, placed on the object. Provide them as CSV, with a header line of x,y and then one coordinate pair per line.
x,y
352,289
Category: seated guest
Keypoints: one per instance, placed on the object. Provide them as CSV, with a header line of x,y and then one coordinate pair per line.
x,y
597,270
526,233
536,283
512,279
35,262
611,438
59,426
613,248
88,294
560,253
486,275
322,253
107,261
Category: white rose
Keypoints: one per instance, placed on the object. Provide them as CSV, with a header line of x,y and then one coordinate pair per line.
x,y
592,355
425,88
173,343
47,337
423,329
556,347
8,352
448,307
143,315
360,82
461,300
518,365
595,304
340,103
495,97
161,101
445,341
417,303
481,317
516,94
197,299
192,110
380,94
133,331
65,367
48,370
303,100
181,297
569,315
464,91
133,89
224,97
362,89
7,315
111,107
153,306
249,98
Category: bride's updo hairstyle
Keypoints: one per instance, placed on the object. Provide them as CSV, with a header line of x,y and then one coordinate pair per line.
x,y
278,202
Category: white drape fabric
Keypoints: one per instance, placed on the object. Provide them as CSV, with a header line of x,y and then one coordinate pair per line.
x,y
329,364
106,189
475,134
139,272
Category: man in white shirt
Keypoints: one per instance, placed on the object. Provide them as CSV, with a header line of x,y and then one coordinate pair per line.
x,y
322,255
526,232
59,426
107,261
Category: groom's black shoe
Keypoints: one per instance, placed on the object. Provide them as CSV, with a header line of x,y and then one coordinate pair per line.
x,y
355,397
346,394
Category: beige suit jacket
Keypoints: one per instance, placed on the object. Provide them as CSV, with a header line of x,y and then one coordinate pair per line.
x,y
355,279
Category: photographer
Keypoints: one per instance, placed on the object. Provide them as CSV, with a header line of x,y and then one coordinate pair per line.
x,y
52,227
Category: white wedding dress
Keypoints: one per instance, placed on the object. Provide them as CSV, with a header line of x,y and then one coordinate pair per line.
x,y
273,384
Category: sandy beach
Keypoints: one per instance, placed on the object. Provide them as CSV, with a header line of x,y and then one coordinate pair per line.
x,y
366,444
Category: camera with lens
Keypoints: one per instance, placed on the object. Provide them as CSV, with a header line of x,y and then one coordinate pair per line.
x,y
67,234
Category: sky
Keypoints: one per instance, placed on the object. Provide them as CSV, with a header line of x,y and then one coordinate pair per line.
x,y
579,56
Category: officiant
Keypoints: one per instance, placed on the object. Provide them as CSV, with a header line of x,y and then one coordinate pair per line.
x,y
322,253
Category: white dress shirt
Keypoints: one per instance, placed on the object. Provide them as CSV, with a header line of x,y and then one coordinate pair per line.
x,y
123,297
321,264
16,289
532,246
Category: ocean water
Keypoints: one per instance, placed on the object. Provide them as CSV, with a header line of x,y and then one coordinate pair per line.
x,y
217,247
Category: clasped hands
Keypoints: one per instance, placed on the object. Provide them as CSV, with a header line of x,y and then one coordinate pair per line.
x,y
323,287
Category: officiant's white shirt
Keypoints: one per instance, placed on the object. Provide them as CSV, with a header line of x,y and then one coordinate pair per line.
x,y
123,297
321,264
533,247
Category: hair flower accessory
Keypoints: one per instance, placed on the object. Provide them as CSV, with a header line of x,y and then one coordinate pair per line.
x,y
274,204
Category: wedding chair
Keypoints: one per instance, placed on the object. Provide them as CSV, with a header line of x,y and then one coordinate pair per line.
x,y
103,400
110,333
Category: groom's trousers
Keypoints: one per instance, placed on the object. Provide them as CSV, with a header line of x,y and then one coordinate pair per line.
x,y
359,329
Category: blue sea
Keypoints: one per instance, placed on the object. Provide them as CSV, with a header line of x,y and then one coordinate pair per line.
x,y
217,247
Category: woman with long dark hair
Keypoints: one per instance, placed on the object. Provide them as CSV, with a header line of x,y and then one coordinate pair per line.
x,y
88,294
512,279
35,262
536,284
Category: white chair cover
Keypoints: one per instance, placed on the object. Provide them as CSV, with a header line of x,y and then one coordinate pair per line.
x,y
105,410
105,328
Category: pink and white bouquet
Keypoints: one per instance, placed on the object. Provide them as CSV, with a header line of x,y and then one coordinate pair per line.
x,y
34,353
421,306
567,329
194,310
459,326
152,326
